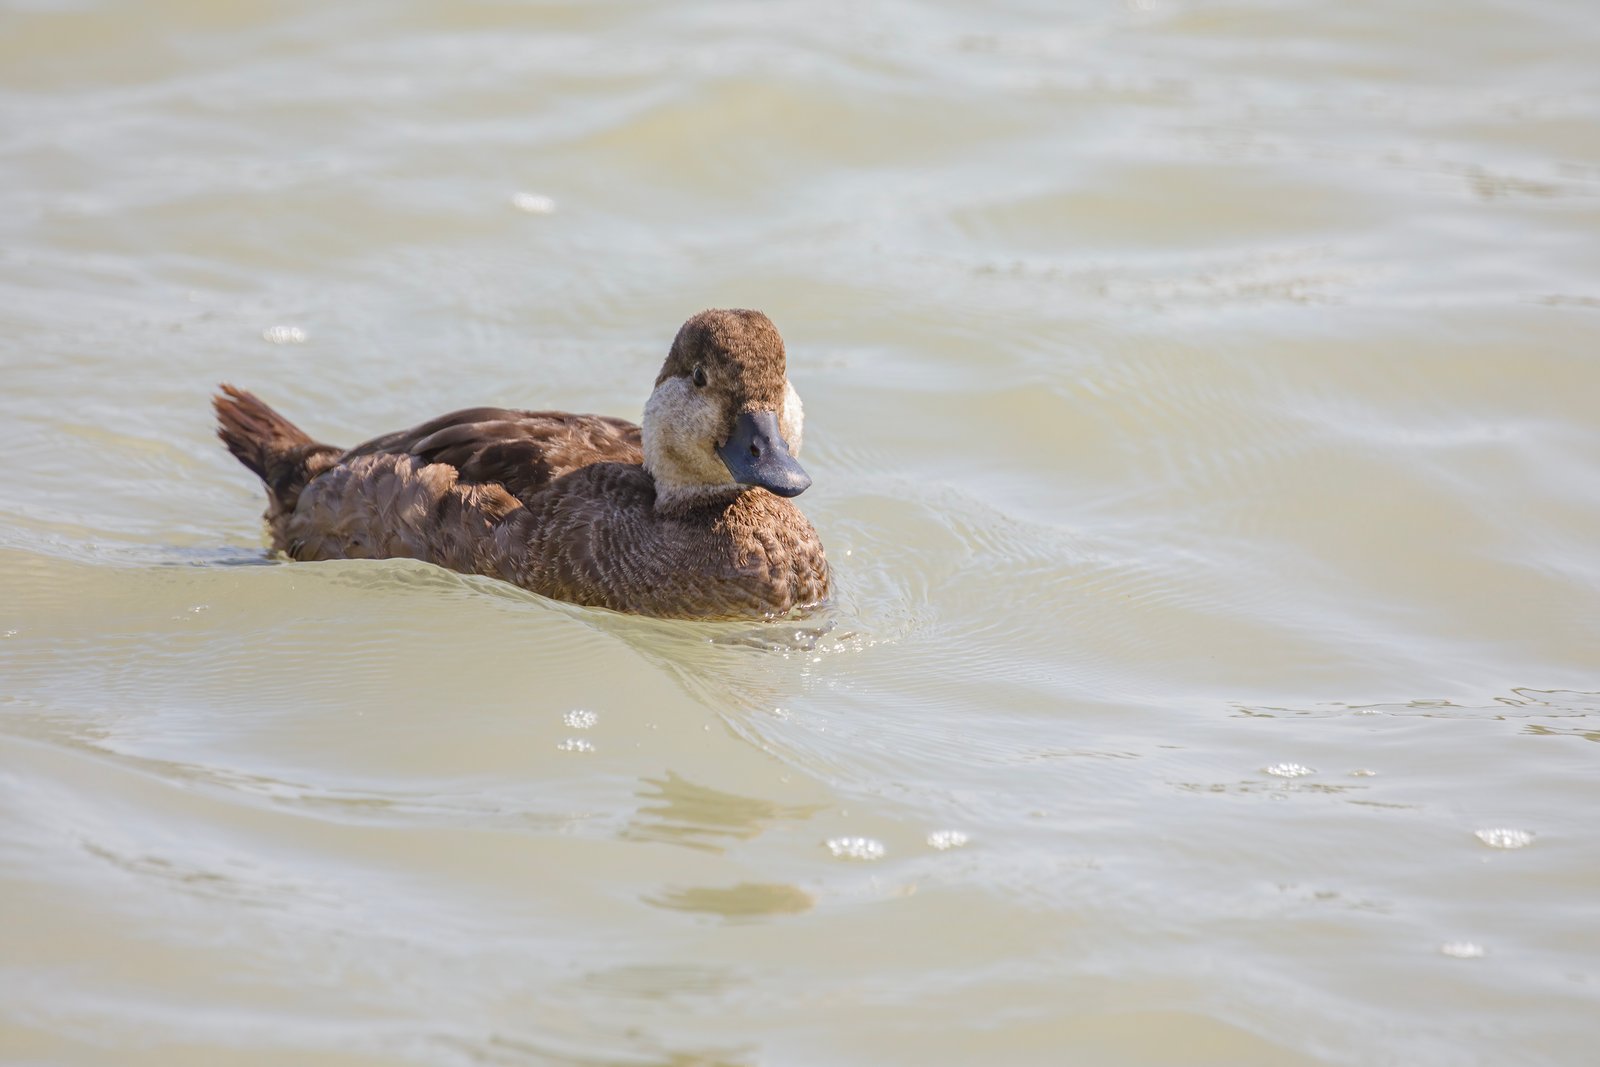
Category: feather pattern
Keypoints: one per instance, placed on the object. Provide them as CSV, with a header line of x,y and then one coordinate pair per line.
x,y
570,506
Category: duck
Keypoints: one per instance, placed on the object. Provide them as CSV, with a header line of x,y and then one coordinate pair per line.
x,y
689,514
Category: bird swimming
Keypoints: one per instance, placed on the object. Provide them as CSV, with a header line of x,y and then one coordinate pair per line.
x,y
687,515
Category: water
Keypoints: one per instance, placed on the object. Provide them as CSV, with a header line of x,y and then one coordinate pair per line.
x,y
1202,406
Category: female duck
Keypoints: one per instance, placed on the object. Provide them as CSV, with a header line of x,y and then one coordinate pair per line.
x,y
687,516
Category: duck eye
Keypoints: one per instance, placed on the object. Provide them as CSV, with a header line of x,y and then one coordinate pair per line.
x,y
699,377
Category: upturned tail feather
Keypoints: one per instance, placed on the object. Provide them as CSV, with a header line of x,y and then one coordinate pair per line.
x,y
281,454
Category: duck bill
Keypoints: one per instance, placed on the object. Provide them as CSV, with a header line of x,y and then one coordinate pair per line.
x,y
756,454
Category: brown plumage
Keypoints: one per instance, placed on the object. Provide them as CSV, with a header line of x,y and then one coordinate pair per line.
x,y
672,518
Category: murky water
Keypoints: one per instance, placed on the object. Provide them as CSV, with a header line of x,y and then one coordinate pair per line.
x,y
1203,409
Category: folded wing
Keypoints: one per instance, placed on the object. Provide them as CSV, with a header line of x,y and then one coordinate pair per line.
x,y
524,451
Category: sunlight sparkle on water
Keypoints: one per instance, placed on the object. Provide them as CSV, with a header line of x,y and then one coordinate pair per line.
x,y
855,848
944,840
533,203
1289,770
284,335
1502,837
1463,950
576,744
580,719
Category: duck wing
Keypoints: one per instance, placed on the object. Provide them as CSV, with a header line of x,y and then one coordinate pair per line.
x,y
521,450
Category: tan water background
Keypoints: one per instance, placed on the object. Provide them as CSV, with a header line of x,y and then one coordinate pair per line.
x,y
1204,407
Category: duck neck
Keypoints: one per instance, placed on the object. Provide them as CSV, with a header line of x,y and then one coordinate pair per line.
x,y
674,499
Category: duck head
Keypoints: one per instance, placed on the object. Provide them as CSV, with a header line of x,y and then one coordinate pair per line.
x,y
723,416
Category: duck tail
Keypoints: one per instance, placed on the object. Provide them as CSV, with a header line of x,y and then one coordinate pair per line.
x,y
281,454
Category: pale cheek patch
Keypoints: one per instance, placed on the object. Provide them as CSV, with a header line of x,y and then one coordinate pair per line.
x,y
791,420
680,430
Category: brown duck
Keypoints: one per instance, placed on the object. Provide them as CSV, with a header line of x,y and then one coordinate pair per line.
x,y
686,516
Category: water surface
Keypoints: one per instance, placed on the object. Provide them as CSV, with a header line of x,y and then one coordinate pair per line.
x,y
1202,406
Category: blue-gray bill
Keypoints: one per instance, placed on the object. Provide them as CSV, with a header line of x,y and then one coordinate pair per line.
x,y
756,454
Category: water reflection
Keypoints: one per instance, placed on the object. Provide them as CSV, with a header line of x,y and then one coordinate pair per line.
x,y
679,812
243,885
747,900
1541,730
514,1050
1523,703
659,981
